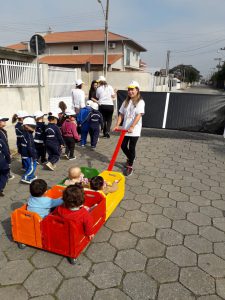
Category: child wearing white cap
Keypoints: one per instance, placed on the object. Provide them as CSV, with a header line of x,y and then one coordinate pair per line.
x,y
19,117
4,137
82,122
28,151
54,141
4,156
39,136
78,96
95,121
70,135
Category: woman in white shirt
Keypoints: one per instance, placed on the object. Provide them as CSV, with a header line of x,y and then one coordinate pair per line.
x,y
130,113
105,95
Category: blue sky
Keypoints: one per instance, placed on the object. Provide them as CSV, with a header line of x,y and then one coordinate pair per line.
x,y
193,29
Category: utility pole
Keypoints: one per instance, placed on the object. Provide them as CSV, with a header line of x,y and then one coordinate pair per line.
x,y
106,18
38,73
106,39
167,62
167,67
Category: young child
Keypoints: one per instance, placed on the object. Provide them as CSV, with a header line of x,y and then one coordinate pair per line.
x,y
28,151
97,183
61,113
39,136
73,209
19,117
75,176
38,202
4,137
54,141
95,120
70,135
82,122
4,166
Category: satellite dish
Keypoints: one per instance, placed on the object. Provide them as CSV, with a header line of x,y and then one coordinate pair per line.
x,y
41,44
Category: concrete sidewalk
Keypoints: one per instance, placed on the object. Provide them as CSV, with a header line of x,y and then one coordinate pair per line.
x,y
165,241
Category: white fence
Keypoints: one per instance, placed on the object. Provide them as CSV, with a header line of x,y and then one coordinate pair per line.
x,y
13,73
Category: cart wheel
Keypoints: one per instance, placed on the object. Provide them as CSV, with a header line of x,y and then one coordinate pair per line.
x,y
21,246
72,261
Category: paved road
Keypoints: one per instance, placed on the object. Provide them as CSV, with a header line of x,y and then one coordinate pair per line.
x,y
165,241
202,89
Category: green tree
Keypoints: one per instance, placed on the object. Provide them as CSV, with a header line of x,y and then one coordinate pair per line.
x,y
186,73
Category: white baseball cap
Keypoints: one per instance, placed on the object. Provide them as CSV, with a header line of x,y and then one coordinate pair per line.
x,y
54,114
22,114
29,121
39,114
101,78
70,113
4,119
133,84
89,103
78,82
94,106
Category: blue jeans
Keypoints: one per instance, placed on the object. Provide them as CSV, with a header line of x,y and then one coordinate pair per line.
x,y
30,166
84,133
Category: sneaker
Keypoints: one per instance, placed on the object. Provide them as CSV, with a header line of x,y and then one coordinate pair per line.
x,y
26,181
82,146
66,156
128,171
50,166
93,147
34,178
2,194
107,136
11,176
72,158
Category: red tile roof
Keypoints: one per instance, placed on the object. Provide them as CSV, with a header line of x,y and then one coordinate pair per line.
x,y
79,37
79,59
20,46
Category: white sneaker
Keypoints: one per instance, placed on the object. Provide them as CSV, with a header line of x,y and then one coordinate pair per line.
x,y
34,178
50,166
11,176
72,158
26,181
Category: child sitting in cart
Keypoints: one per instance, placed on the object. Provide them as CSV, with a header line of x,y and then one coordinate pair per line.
x,y
75,176
73,209
97,183
37,202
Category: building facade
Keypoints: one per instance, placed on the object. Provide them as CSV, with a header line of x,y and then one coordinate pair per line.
x,y
76,48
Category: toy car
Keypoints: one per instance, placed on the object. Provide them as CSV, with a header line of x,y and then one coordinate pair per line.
x,y
65,237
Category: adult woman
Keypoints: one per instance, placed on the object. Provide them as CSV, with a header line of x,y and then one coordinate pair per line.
x,y
131,112
92,91
105,95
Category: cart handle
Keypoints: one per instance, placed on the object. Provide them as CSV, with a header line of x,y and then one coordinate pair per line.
x,y
122,134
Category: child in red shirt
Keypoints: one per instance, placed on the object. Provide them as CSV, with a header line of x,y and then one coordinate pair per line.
x,y
70,135
73,209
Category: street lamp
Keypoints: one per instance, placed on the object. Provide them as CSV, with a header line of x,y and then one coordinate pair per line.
x,y
106,17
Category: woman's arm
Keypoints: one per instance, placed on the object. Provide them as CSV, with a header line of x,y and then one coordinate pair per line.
x,y
119,120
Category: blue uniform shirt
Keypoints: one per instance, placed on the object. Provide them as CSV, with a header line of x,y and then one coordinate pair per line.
x,y
5,159
27,145
39,136
53,135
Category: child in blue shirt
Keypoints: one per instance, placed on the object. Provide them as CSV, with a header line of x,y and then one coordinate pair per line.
x,y
82,122
37,202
